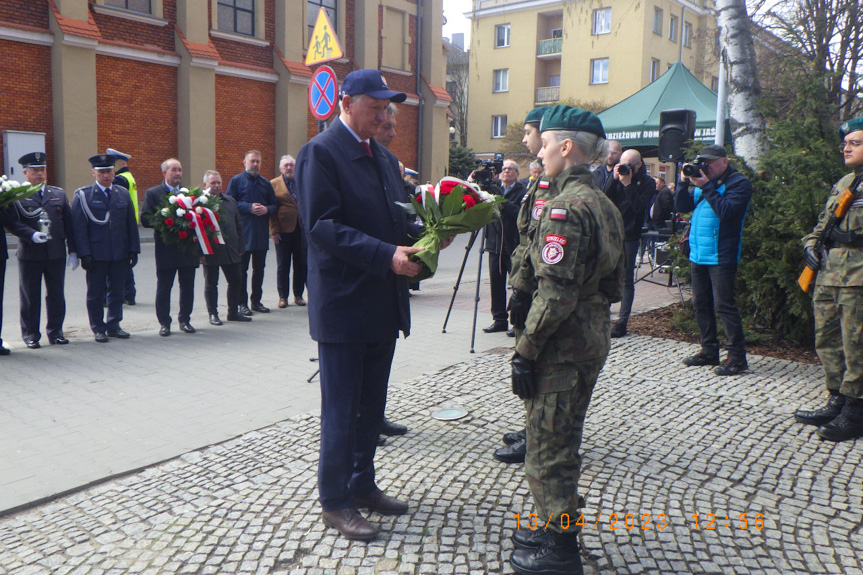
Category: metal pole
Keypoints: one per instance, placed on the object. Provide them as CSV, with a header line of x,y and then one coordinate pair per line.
x,y
721,95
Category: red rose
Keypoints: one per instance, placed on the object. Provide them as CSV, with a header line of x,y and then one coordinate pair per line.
x,y
469,202
169,222
183,235
447,186
193,225
188,216
218,217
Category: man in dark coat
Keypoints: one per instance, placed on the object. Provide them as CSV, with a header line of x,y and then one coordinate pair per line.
x,y
171,261
41,252
4,255
256,201
225,257
358,267
106,235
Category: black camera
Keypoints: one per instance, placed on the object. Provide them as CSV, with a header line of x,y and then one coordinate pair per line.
x,y
695,168
486,170
624,169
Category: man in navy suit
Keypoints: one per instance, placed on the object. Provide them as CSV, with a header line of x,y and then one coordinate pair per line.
x,y
106,236
171,261
358,267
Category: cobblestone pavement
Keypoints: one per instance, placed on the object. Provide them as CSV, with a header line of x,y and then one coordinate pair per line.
x,y
662,443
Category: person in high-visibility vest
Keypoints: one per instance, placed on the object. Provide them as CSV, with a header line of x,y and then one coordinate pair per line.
x,y
123,177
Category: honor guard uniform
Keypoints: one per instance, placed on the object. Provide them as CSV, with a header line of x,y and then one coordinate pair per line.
x,y
43,225
108,244
123,178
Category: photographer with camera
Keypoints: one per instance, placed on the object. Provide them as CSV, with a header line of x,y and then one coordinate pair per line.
x,y
718,197
630,189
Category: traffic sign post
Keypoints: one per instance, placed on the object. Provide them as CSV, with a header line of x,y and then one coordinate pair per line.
x,y
323,45
323,92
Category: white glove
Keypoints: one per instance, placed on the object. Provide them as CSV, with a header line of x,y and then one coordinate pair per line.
x,y
39,237
72,261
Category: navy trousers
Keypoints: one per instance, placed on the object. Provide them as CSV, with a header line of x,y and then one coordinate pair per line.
x,y
106,282
30,288
258,260
164,285
354,379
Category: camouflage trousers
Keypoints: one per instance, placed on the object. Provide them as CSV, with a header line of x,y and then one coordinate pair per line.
x,y
555,422
839,337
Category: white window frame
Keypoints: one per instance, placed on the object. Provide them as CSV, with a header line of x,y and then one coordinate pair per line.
x,y
506,41
598,80
672,28
498,126
557,32
500,81
601,23
658,16
687,34
654,69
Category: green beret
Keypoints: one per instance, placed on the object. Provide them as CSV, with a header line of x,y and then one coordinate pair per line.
x,y
850,126
535,115
562,117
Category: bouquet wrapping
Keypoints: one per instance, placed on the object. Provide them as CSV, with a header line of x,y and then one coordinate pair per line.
x,y
11,191
452,207
189,220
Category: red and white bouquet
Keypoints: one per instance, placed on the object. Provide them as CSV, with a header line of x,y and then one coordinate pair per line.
x,y
451,207
189,220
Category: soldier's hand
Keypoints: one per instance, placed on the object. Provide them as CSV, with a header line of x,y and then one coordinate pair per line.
x,y
39,237
402,265
133,259
519,306
523,377
812,258
87,263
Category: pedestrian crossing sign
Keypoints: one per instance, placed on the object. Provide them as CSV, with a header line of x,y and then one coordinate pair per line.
x,y
323,45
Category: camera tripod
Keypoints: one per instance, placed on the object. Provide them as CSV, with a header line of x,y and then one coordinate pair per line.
x,y
467,249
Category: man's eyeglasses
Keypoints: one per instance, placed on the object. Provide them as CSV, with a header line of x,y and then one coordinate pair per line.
x,y
852,143
509,168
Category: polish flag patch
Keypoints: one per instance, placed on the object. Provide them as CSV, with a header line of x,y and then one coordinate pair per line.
x,y
543,184
557,214
537,209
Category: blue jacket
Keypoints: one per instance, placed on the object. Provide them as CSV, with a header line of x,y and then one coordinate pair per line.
x,y
113,240
718,211
247,190
353,226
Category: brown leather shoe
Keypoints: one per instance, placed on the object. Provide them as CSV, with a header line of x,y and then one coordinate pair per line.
x,y
351,524
283,303
379,501
299,301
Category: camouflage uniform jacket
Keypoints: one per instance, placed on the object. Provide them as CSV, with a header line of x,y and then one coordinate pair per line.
x,y
541,190
576,250
843,266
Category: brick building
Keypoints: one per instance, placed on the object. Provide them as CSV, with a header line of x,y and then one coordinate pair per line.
x,y
206,80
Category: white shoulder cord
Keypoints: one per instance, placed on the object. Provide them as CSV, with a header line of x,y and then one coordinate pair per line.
x,y
88,213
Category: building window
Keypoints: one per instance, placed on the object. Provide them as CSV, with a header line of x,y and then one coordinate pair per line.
x,y
714,84
501,80
498,126
142,6
599,71
687,34
657,20
554,80
672,29
237,16
395,37
312,9
557,32
654,69
501,36
602,21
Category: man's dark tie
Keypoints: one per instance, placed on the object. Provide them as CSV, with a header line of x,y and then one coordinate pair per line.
x,y
367,148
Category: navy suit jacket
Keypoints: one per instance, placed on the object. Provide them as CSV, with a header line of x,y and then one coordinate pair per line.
x,y
56,205
248,190
112,241
353,227
167,256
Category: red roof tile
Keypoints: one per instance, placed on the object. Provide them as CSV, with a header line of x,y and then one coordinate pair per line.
x,y
74,27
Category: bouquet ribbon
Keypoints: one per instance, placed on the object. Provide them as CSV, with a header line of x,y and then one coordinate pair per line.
x,y
189,205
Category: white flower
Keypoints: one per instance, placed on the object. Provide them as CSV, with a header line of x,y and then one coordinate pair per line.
x,y
172,199
181,212
204,199
184,190
165,211
199,210
486,197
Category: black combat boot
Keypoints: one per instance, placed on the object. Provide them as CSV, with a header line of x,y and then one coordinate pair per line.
x,y
513,436
513,453
558,555
530,538
824,415
848,425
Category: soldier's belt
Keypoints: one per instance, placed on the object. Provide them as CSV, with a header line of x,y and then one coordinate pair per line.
x,y
849,239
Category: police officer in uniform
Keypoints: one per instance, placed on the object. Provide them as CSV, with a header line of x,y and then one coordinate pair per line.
x,y
42,252
123,178
838,301
107,238
576,255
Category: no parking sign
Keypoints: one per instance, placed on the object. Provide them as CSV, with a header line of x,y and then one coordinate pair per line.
x,y
323,92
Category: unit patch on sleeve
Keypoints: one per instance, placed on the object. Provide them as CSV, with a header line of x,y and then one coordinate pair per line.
x,y
557,214
537,209
552,252
543,184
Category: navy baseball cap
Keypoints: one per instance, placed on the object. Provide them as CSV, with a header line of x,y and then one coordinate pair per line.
x,y
371,83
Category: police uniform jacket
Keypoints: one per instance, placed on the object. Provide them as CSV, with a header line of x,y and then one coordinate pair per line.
x,y
167,256
347,208
247,190
284,221
55,204
232,233
112,241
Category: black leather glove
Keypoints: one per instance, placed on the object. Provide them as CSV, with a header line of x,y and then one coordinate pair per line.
x,y
523,376
519,306
133,259
87,263
812,258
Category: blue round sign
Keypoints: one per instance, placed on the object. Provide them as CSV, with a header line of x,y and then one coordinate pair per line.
x,y
323,93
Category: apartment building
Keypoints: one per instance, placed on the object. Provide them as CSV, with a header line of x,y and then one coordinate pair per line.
x,y
527,53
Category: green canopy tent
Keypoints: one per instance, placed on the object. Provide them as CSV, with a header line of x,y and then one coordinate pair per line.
x,y
634,122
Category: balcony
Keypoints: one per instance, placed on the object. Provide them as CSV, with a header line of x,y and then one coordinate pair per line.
x,y
550,48
547,94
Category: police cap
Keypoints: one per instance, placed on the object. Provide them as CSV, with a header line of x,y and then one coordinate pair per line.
x,y
117,154
102,162
34,160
